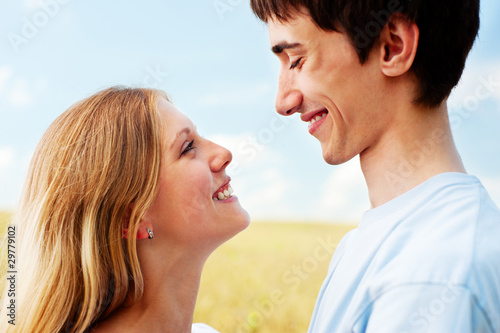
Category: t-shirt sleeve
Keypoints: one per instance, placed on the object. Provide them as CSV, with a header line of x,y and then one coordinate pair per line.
x,y
202,328
424,308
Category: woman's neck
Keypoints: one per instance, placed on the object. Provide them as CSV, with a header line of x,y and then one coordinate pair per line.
x,y
168,301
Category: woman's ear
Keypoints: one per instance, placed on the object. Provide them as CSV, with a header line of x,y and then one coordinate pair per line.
x,y
398,45
142,231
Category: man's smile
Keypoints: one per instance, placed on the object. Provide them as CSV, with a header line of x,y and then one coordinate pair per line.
x,y
314,118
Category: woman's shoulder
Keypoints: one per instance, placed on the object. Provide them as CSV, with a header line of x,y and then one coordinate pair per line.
x,y
202,328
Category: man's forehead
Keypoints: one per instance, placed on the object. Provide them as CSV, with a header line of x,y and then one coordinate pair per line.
x,y
284,29
290,34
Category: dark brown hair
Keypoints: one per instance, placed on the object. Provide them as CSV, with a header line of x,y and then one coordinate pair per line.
x,y
448,29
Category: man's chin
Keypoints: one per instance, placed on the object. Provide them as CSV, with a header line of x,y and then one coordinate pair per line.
x,y
332,161
335,158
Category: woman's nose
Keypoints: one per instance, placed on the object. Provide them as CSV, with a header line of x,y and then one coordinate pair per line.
x,y
220,159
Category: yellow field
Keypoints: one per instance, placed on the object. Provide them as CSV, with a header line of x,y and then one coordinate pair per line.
x,y
4,219
266,279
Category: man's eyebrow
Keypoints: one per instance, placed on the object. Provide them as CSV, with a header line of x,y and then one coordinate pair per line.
x,y
278,48
185,130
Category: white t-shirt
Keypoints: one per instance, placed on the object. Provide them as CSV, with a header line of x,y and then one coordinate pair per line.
x,y
426,261
202,328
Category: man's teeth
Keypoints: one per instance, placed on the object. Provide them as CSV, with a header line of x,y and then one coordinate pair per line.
x,y
225,194
315,119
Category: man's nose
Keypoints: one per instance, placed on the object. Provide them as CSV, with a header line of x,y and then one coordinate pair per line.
x,y
289,98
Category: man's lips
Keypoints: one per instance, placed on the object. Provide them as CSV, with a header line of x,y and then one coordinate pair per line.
x,y
308,116
316,121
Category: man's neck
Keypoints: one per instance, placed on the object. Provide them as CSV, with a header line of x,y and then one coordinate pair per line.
x,y
418,146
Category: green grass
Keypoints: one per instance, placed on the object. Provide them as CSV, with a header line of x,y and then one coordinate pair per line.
x,y
265,279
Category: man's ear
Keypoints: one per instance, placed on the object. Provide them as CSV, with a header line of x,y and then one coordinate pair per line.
x,y
398,45
142,232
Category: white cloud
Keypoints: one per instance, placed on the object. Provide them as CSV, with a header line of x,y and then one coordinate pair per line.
x,y
257,178
246,149
19,95
267,198
344,196
6,157
18,91
32,4
267,192
7,160
13,168
496,75
5,75
479,83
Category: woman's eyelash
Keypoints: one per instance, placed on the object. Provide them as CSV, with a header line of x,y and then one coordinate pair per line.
x,y
189,147
295,63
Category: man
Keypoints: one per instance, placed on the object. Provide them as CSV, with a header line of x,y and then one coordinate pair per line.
x,y
372,78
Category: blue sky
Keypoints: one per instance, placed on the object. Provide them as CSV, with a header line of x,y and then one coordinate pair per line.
x,y
213,58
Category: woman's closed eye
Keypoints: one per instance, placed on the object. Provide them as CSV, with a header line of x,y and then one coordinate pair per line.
x,y
189,147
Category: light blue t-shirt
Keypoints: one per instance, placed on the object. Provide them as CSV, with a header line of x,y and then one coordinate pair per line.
x,y
427,261
202,328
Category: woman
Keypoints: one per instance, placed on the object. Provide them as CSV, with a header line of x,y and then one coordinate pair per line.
x,y
123,204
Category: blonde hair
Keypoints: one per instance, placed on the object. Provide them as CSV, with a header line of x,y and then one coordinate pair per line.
x,y
96,167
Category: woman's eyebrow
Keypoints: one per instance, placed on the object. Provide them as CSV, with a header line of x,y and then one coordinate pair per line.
x,y
185,130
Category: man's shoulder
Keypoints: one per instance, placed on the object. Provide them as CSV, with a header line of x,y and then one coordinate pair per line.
x,y
455,220
453,234
455,248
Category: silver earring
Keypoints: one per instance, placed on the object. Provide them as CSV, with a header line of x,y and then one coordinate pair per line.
x,y
150,233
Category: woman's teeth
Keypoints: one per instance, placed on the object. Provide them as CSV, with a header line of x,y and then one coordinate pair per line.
x,y
315,119
224,193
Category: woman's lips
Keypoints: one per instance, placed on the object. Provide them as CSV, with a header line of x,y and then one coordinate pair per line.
x,y
223,193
